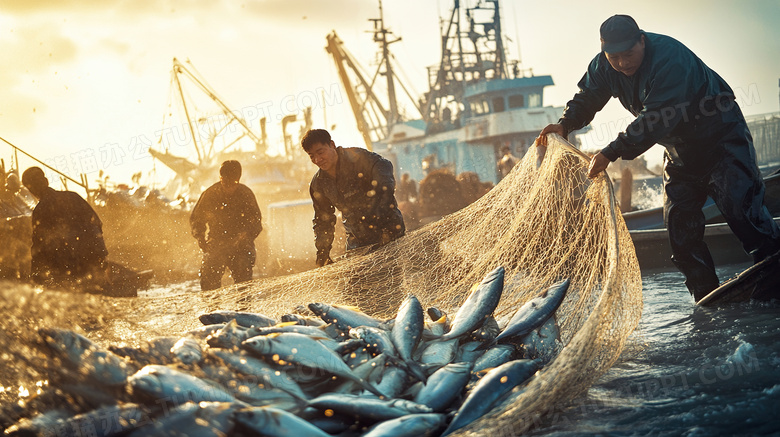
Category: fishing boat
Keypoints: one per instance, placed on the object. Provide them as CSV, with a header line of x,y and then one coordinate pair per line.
x,y
478,102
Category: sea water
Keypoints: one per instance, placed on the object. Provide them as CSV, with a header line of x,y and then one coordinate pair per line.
x,y
687,371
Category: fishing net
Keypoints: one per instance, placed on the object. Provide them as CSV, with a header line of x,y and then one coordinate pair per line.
x,y
544,222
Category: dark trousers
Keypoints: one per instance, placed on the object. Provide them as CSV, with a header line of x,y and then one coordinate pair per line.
x,y
736,186
239,260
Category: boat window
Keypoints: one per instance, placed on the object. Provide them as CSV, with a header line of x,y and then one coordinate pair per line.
x,y
498,104
516,101
534,100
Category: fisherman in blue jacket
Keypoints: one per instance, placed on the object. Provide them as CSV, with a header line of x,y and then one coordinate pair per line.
x,y
361,185
685,106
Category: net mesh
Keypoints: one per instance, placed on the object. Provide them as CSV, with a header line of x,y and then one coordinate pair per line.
x,y
544,222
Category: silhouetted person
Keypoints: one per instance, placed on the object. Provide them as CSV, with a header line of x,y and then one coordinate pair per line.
x,y
67,235
225,221
358,183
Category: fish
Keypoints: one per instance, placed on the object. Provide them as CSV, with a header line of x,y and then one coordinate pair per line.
x,y
202,419
105,421
469,351
273,422
301,320
543,342
534,312
291,327
444,386
493,387
248,365
411,425
379,341
406,334
367,408
344,317
480,304
487,332
290,347
394,381
437,352
157,383
88,358
494,357
187,350
244,319
229,337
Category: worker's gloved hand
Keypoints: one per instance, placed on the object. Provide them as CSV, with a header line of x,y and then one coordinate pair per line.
x,y
323,259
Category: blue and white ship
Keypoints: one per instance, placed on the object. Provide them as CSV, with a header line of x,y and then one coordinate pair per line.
x,y
477,102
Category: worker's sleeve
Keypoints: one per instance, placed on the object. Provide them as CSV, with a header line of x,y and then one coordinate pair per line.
x,y
324,222
383,205
198,218
672,91
594,93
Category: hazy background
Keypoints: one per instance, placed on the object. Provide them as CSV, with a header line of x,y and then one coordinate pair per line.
x,y
86,83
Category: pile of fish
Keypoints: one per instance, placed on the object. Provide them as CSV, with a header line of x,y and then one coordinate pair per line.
x,y
320,371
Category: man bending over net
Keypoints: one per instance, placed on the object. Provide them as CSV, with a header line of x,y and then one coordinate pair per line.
x,y
358,183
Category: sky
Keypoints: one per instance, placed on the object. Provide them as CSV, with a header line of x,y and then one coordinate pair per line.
x,y
86,84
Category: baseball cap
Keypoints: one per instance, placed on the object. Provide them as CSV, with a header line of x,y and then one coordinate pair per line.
x,y
619,33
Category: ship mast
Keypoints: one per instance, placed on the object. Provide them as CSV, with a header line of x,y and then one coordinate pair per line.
x,y
467,56
380,36
180,68
374,116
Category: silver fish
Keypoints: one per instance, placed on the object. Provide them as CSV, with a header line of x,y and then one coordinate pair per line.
x,y
478,305
344,317
494,357
245,364
88,358
368,408
379,341
437,352
229,337
393,382
493,387
273,422
203,419
444,386
164,383
302,320
244,319
187,350
105,421
290,347
406,333
535,312
470,351
543,342
204,331
412,425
